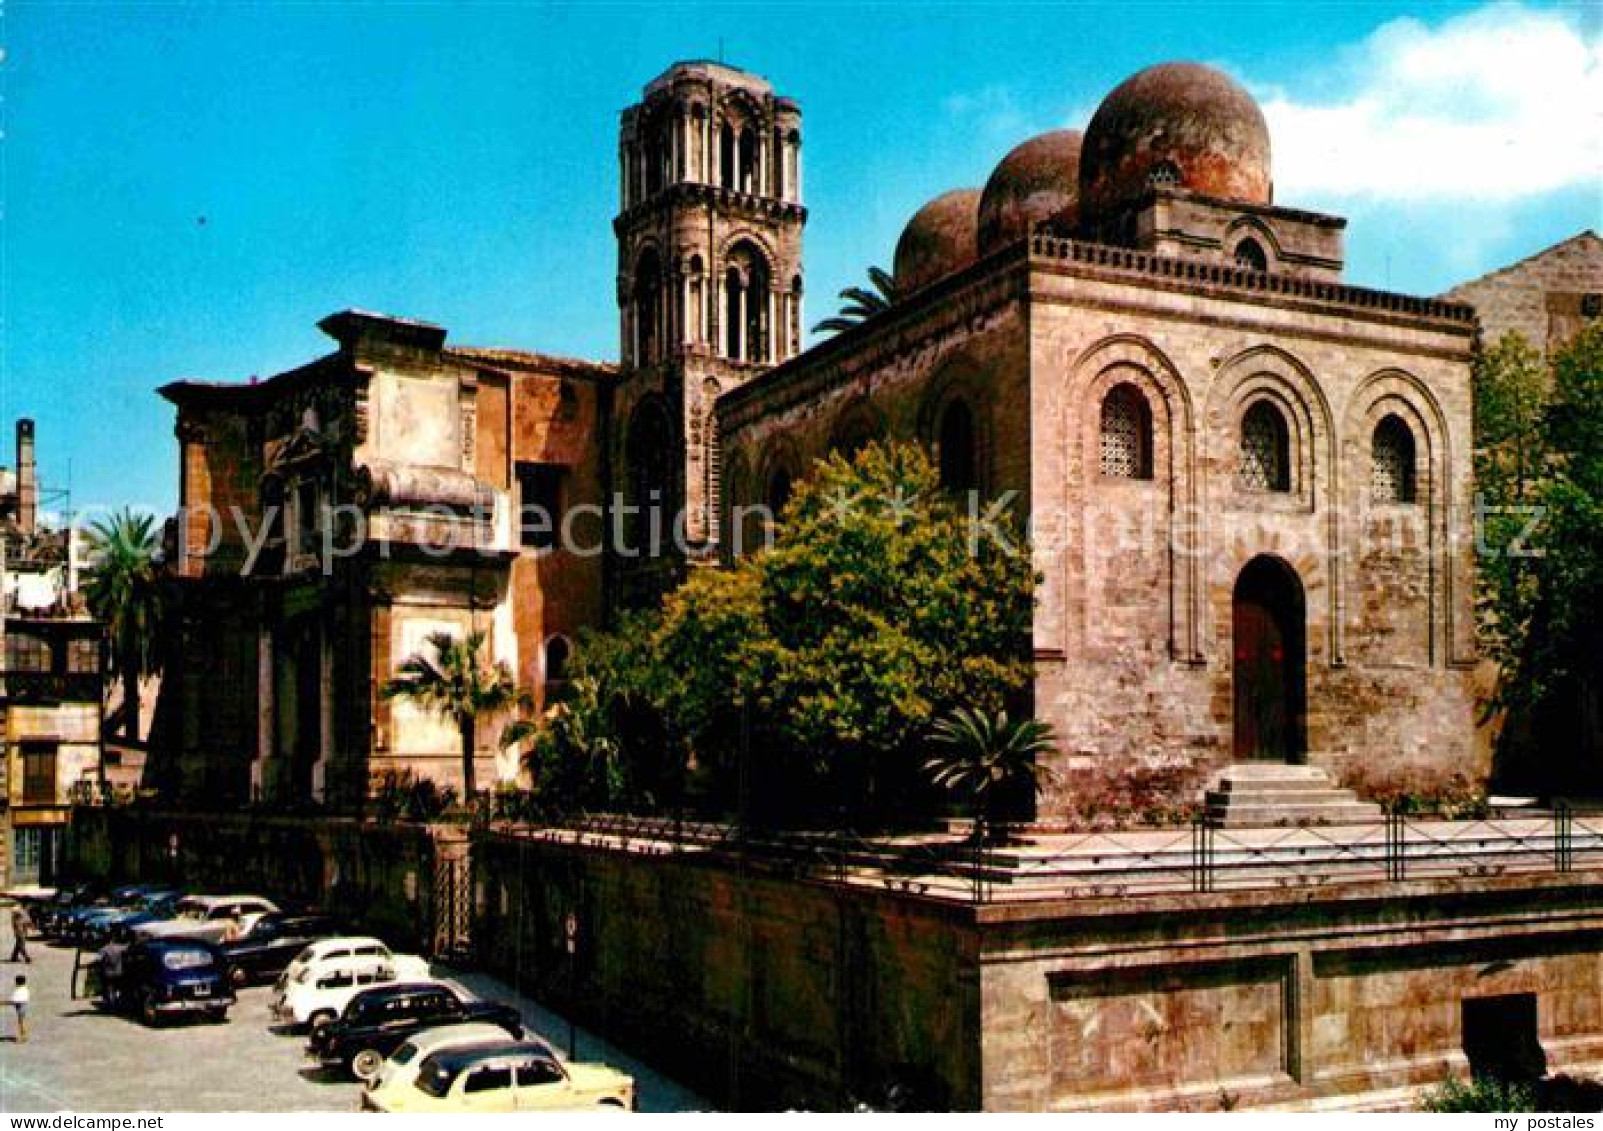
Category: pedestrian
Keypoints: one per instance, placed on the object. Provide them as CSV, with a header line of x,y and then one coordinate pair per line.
x,y
20,926
19,1004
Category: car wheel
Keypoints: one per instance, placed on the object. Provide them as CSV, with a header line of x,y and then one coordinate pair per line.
x,y
217,1016
365,1064
236,975
322,1019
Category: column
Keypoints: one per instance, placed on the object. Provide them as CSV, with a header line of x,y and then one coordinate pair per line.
x,y
770,343
742,299
264,710
325,711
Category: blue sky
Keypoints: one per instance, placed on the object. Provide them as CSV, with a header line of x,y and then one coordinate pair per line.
x,y
188,188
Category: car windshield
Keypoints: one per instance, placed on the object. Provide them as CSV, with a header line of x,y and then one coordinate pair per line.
x,y
186,959
434,1078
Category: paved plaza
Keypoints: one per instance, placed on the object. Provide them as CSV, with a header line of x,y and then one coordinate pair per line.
x,y
80,1059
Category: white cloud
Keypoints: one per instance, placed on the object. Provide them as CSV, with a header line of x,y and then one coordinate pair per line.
x,y
1499,103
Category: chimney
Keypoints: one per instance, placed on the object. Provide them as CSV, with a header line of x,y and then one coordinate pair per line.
x,y
27,479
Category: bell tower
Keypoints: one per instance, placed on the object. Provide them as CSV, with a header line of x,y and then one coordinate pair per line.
x,y
709,236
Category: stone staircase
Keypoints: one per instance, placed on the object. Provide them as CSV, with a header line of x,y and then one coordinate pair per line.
x,y
1267,794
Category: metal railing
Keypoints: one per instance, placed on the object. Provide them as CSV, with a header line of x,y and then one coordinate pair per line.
x,y
1201,857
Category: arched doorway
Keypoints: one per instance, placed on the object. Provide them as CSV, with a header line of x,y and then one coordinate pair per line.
x,y
1269,673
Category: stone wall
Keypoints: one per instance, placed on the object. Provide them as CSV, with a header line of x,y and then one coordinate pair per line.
x,y
767,991
379,878
1543,297
764,991
1347,997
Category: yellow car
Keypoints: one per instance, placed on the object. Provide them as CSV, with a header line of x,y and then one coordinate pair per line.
x,y
506,1077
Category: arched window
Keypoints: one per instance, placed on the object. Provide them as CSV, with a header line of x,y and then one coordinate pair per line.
x,y
956,449
779,490
748,161
726,156
1265,449
557,651
648,308
656,161
695,316
1391,469
1250,255
1126,434
857,428
746,302
1165,174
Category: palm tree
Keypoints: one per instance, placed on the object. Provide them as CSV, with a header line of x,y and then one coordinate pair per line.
x,y
123,590
982,756
452,680
862,303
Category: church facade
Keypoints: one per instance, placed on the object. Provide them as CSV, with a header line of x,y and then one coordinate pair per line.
x,y
1248,484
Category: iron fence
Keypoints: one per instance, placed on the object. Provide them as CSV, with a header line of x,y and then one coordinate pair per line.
x,y
1200,857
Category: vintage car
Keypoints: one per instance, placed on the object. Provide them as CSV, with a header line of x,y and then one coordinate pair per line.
x,y
376,1022
354,946
93,930
158,978
317,994
272,943
210,918
401,1068
511,1077
46,914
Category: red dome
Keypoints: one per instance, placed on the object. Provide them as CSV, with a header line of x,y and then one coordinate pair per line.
x,y
1177,123
1039,180
938,240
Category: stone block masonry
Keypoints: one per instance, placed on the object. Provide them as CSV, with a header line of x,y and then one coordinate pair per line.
x,y
771,992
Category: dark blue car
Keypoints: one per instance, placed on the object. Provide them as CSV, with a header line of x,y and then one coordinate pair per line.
x,y
160,978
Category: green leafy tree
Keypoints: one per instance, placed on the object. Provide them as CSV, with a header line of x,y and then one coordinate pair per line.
x,y
452,679
885,606
123,591
859,304
576,760
981,758
813,671
1541,566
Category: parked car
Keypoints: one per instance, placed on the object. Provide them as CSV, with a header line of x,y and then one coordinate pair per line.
x,y
505,1078
317,994
47,914
116,924
160,977
272,943
376,1022
401,1067
210,918
92,928
408,966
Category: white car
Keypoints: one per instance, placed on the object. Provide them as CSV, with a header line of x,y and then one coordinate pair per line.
x,y
408,966
209,918
400,1070
318,993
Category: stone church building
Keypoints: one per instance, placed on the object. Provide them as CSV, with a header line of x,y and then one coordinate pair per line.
x,y
1248,482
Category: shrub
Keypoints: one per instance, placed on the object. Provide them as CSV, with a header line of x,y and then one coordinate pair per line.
x,y
1482,1094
